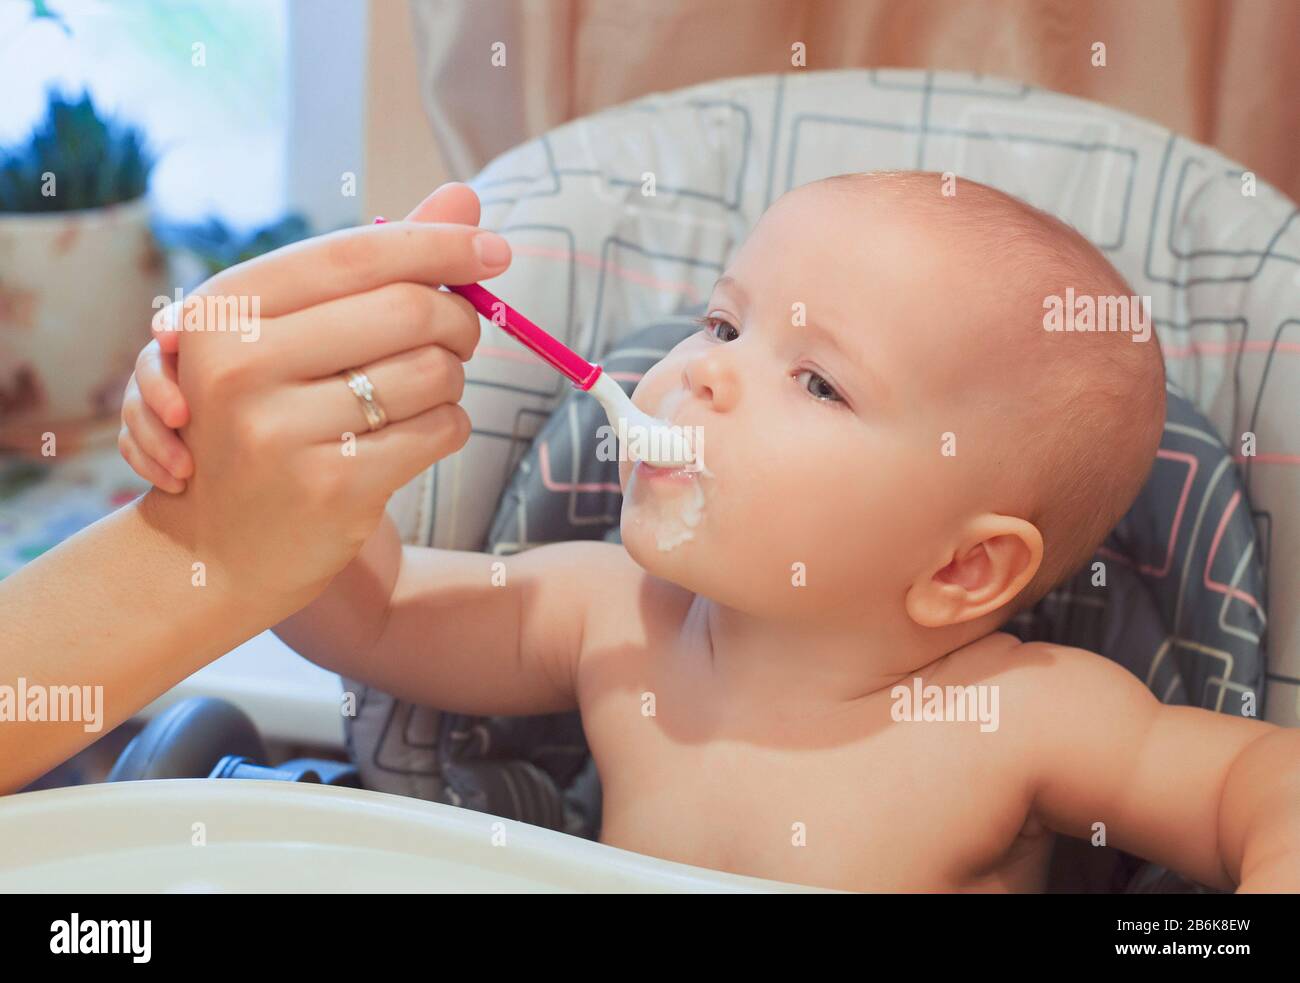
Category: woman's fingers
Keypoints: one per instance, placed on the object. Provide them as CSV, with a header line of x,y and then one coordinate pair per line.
x,y
400,451
155,373
352,261
453,202
363,328
297,283
405,385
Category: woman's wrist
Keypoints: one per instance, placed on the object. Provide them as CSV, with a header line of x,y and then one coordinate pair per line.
x,y
166,542
198,573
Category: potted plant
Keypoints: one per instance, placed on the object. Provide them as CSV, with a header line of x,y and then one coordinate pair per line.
x,y
79,270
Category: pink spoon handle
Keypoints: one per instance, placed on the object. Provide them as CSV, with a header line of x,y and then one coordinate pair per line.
x,y
555,353
558,355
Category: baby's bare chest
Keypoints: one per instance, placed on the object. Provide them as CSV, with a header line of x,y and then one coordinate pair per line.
x,y
851,799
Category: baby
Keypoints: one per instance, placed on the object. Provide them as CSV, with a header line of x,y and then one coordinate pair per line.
x,y
899,456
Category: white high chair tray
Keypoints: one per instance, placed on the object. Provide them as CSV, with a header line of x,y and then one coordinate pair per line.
x,y
280,837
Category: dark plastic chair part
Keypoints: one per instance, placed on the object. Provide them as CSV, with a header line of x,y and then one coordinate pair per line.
x,y
204,737
312,770
187,740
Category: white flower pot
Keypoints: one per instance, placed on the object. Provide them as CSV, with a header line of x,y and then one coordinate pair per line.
x,y
76,296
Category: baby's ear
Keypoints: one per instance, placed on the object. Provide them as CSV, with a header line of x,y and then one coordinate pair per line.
x,y
989,564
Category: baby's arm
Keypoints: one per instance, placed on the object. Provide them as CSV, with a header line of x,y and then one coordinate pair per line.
x,y
1214,797
466,632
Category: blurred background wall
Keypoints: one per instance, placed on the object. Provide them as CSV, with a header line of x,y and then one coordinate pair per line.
x,y
1222,73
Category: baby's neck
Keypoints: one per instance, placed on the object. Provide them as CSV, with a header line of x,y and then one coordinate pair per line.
x,y
776,662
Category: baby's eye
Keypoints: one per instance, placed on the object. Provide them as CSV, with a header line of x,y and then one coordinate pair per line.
x,y
818,387
718,328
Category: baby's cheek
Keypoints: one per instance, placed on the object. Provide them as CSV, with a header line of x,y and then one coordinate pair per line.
x,y
650,387
665,374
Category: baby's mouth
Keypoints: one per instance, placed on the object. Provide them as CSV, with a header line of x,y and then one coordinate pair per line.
x,y
671,501
671,475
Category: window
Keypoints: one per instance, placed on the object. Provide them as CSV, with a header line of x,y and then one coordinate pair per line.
x,y
253,106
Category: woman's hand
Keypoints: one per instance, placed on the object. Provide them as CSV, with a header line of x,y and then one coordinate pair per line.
x,y
275,506
287,481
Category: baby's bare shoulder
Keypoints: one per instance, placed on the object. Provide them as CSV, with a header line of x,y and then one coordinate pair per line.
x,y
1036,665
616,594
1046,686
1049,692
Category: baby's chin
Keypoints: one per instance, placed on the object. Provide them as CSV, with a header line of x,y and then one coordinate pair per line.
x,y
703,564
667,524
692,566
666,547
657,539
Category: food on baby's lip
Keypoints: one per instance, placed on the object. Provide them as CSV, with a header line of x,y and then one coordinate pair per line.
x,y
675,512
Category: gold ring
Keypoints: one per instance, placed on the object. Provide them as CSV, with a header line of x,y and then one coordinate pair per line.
x,y
364,390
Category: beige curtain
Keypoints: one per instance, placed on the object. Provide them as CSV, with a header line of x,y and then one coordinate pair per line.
x,y
1224,73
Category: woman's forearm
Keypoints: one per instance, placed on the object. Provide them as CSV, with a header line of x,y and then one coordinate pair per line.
x,y
100,626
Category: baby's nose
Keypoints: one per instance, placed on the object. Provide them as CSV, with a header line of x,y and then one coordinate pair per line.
x,y
712,377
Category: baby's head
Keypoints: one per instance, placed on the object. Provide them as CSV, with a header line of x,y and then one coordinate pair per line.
x,y
887,419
